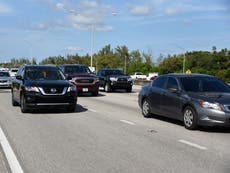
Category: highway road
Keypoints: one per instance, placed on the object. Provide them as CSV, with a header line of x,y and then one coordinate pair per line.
x,y
108,134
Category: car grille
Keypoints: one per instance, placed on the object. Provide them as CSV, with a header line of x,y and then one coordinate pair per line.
x,y
3,81
122,80
53,90
90,80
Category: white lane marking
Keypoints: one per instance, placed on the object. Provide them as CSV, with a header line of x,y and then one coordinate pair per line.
x,y
127,122
92,110
192,144
9,153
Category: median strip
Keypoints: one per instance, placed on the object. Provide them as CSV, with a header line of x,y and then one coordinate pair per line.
x,y
9,153
127,122
192,144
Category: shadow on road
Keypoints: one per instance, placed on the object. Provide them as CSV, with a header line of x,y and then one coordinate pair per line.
x,y
51,110
214,129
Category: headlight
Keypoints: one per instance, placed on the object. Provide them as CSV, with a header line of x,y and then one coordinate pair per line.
x,y
208,105
32,89
113,79
72,88
130,79
96,80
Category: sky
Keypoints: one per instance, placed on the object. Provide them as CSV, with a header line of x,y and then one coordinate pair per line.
x,y
43,28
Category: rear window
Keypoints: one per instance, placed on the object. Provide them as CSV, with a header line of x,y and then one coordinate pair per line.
x,y
4,74
203,84
76,69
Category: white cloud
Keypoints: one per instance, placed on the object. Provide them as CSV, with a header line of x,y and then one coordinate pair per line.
x,y
5,8
73,49
60,6
173,10
141,10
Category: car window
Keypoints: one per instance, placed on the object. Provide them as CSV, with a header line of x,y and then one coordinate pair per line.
x,y
159,82
203,84
4,74
113,72
77,69
43,73
172,83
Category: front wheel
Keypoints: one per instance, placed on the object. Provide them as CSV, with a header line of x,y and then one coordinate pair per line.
x,y
129,90
190,118
146,108
24,108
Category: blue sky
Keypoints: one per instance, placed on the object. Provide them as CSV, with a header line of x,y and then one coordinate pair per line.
x,y
42,28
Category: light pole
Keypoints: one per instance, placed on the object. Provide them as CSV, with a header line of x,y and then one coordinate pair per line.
x,y
92,45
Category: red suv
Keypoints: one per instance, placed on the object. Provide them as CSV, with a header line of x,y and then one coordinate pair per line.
x,y
82,77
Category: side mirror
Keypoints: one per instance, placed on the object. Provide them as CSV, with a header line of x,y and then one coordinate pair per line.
x,y
19,77
69,78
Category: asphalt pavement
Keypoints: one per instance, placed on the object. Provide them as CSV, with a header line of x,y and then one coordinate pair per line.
x,y
108,133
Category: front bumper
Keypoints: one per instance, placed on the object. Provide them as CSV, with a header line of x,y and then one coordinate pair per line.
x,y
121,85
209,117
87,87
35,100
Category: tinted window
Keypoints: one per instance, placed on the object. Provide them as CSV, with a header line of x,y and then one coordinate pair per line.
x,y
4,74
172,83
159,82
203,84
113,72
43,73
77,69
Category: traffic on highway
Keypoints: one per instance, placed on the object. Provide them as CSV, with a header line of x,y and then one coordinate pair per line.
x,y
58,129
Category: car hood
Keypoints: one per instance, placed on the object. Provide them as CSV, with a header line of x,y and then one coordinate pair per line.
x,y
74,75
222,98
42,83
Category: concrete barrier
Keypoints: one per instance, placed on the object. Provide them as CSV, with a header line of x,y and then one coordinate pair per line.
x,y
140,82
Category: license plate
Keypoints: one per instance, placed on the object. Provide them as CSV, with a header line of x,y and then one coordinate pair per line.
x,y
85,89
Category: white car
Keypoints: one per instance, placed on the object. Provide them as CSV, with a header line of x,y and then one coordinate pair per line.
x,y
138,75
5,79
13,72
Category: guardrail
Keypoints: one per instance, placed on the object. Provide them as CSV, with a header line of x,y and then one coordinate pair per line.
x,y
141,82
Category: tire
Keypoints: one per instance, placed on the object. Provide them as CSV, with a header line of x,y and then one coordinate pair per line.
x,y
95,93
24,108
129,90
14,103
190,118
146,108
107,87
71,108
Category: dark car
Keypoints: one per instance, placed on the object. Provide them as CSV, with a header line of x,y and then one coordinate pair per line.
x,y
111,79
195,99
42,86
82,77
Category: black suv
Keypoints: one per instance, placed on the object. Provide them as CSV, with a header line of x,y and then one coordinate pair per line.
x,y
82,77
41,86
111,79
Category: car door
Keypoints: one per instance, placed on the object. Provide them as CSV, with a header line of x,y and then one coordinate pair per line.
x,y
155,94
171,101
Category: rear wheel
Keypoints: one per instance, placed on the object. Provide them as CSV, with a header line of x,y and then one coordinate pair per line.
x,y
129,90
107,87
14,103
146,108
24,108
190,118
95,93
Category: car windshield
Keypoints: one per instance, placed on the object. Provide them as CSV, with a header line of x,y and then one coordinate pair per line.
x,y
4,74
113,72
203,84
77,69
43,73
